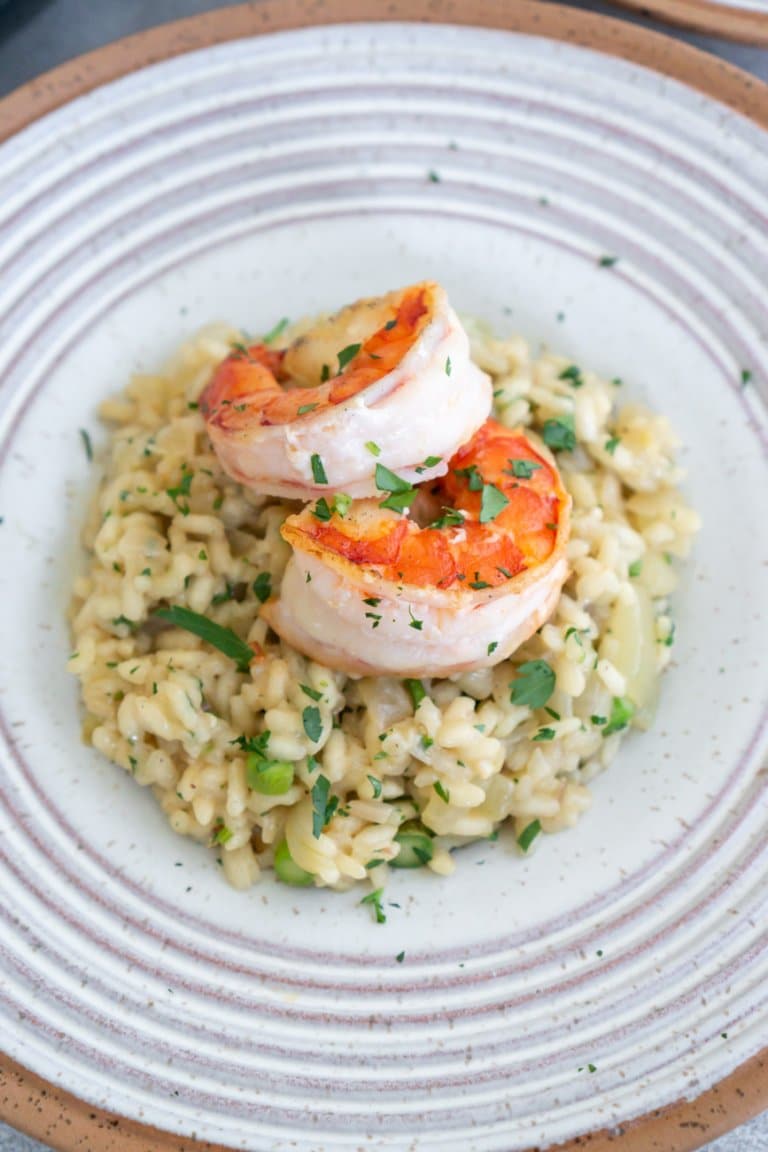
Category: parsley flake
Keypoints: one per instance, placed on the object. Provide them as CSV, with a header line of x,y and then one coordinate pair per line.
x,y
342,503
612,444
521,469
321,510
311,692
313,724
417,691
529,834
448,366
320,791
278,330
348,354
217,636
373,448
376,785
492,502
262,587
544,734
417,624
492,647
573,374
86,439
374,898
559,434
442,792
622,711
607,261
304,408
318,469
534,685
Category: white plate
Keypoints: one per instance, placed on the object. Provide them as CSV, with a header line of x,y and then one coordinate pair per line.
x,y
280,175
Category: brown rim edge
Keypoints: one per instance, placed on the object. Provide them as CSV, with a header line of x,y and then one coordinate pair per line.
x,y
717,19
30,1103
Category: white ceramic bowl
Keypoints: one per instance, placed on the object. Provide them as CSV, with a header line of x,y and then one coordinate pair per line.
x,y
285,174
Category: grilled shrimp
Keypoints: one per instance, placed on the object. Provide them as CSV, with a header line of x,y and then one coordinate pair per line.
x,y
372,384
434,580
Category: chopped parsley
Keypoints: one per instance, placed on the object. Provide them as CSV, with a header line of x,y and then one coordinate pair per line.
x,y
400,957
433,177
559,434
304,408
320,806
573,374
534,685
670,638
118,620
492,647
348,354
479,584
278,330
442,792
375,616
448,366
595,719
262,587
221,834
635,568
86,439
318,469
492,502
472,476
402,494
417,624
451,518
374,898
544,734
607,261
622,711
417,691
217,636
611,445
373,601
376,785
521,469
373,448
313,724
311,692
341,503
746,377
181,490
321,510
325,374
529,834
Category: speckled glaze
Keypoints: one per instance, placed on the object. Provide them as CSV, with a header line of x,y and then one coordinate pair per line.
x,y
286,173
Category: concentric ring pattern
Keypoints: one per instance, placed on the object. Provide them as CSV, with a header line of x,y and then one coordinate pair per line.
x,y
624,965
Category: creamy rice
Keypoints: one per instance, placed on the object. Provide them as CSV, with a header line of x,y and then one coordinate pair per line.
x,y
168,526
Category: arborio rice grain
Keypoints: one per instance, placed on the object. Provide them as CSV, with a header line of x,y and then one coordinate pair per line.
x,y
168,526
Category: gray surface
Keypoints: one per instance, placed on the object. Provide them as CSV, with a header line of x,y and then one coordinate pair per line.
x,y
39,34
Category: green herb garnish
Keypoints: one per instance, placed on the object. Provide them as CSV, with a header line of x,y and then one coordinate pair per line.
x,y
348,354
86,439
273,333
442,792
521,469
262,587
559,434
214,634
622,711
321,510
417,691
534,685
492,502
573,374
318,470
313,724
376,785
529,834
374,898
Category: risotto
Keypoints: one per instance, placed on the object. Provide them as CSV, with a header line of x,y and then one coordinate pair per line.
x,y
330,779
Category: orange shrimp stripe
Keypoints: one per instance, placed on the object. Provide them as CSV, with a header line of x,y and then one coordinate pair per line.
x,y
251,383
474,555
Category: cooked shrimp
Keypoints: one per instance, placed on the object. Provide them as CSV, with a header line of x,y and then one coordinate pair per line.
x,y
460,581
373,384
